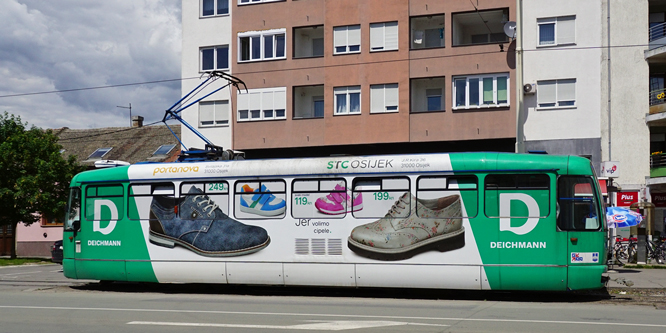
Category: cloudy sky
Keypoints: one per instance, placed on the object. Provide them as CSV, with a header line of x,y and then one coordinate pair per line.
x,y
61,45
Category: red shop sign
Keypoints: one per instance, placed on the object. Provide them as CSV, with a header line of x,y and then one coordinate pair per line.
x,y
625,199
658,199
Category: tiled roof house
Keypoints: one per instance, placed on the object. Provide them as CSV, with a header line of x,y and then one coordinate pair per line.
x,y
129,144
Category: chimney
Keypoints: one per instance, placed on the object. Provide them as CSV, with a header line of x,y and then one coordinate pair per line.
x,y
137,121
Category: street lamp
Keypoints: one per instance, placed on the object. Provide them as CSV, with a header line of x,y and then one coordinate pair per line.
x,y
130,109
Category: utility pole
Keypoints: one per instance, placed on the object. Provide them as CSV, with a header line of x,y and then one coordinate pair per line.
x,y
130,109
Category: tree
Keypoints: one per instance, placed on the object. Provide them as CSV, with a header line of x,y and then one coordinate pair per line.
x,y
34,177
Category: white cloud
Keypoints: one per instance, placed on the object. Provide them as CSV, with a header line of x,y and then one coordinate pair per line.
x,y
71,44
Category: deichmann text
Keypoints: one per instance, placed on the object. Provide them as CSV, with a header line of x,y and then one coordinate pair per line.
x,y
104,243
517,245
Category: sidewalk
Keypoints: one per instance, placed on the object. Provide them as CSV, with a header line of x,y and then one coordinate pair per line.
x,y
650,278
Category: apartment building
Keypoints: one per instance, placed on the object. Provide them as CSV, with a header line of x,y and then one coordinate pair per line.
x,y
587,66
206,41
354,76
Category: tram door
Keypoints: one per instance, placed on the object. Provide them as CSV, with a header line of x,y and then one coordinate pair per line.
x,y
579,216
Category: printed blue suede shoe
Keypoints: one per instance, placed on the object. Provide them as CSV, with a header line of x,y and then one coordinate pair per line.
x,y
195,222
261,202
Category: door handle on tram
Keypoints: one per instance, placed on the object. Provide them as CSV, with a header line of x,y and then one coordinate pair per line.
x,y
574,239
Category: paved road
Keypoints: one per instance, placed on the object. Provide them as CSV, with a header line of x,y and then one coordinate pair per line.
x,y
38,298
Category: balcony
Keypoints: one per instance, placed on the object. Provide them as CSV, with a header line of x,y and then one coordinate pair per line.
x,y
657,165
656,52
482,27
657,114
309,42
657,35
309,102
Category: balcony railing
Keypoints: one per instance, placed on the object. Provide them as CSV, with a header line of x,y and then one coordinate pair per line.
x,y
658,165
657,97
658,35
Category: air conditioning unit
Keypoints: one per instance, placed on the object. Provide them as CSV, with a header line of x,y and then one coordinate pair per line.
x,y
529,88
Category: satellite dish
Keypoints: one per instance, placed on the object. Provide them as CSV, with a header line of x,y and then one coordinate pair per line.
x,y
510,29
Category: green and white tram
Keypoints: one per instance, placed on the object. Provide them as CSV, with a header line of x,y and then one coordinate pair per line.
x,y
495,221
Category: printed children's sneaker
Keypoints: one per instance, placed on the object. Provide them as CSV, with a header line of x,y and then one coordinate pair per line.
x,y
339,202
196,223
410,227
262,203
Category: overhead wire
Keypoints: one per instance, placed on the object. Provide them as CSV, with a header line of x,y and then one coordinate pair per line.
x,y
553,48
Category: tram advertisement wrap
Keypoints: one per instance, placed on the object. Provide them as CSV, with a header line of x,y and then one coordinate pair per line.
x,y
484,230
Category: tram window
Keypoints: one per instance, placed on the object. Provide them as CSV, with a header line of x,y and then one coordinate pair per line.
x,y
143,195
104,202
577,204
260,199
381,196
517,195
73,209
447,194
320,198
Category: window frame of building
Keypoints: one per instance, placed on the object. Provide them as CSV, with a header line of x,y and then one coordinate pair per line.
x,y
300,35
348,91
217,52
481,80
384,98
420,30
564,31
256,104
342,38
51,222
162,150
261,37
384,36
106,150
217,117
216,8
563,92
255,2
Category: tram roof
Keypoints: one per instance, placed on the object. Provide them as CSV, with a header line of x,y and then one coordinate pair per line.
x,y
340,165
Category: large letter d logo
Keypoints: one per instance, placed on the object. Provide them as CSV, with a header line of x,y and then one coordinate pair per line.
x,y
505,212
98,216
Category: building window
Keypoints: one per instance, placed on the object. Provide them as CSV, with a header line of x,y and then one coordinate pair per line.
x,y
262,104
347,39
309,42
384,98
214,113
481,91
214,7
50,222
264,45
479,27
309,102
427,32
383,36
556,93
427,94
163,149
347,100
215,58
99,153
250,2
557,31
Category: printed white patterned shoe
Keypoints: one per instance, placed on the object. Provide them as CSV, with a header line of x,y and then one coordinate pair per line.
x,y
410,227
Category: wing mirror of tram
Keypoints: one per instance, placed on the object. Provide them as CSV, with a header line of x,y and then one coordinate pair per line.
x,y
77,226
